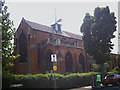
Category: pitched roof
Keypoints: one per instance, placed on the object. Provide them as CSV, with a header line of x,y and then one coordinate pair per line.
x,y
48,29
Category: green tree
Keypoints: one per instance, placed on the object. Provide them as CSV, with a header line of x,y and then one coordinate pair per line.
x,y
97,68
97,34
7,36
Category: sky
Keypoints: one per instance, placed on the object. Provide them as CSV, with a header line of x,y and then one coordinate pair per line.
x,y
72,13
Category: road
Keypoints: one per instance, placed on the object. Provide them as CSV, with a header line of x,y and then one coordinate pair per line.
x,y
109,88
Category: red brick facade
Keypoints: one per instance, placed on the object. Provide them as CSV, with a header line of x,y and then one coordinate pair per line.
x,y
39,43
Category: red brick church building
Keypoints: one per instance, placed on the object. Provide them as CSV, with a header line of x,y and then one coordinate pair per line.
x,y
35,43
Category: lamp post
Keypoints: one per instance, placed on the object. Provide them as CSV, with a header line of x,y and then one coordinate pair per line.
x,y
54,63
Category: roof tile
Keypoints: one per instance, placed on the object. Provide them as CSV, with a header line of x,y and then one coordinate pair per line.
x,y
48,29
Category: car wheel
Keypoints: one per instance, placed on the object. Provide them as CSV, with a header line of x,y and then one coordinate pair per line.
x,y
105,85
118,83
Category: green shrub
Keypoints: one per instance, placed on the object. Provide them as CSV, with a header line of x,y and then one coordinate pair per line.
x,y
116,70
60,81
47,80
7,80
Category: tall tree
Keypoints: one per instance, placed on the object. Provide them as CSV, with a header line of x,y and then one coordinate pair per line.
x,y
7,36
97,34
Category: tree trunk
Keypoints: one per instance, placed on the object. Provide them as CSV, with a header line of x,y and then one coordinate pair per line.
x,y
102,70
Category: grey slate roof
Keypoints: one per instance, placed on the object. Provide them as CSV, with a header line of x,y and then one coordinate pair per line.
x,y
44,28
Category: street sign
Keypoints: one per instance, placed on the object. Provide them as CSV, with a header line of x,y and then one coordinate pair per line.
x,y
54,68
53,58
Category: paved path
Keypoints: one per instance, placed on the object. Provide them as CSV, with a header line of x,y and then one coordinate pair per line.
x,y
103,88
82,88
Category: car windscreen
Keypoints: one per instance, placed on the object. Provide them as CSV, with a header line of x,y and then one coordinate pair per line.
x,y
109,76
118,76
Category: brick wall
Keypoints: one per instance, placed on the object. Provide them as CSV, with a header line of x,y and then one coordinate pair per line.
x,y
61,50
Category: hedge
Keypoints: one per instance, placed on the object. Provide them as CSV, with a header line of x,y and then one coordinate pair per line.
x,y
47,80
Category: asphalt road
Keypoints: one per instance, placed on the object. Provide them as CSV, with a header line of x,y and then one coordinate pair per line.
x,y
108,88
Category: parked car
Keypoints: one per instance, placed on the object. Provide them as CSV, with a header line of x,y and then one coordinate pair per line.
x,y
113,79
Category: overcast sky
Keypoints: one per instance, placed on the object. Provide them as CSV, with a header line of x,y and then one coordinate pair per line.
x,y
71,13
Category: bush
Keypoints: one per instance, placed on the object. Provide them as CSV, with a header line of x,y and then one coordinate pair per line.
x,y
78,79
7,79
47,80
116,70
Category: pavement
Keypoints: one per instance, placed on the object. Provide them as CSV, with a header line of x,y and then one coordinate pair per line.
x,y
16,85
110,87
103,88
82,88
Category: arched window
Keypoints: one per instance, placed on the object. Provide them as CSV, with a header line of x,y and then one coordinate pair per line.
x,y
82,62
38,53
115,63
23,48
68,62
49,64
